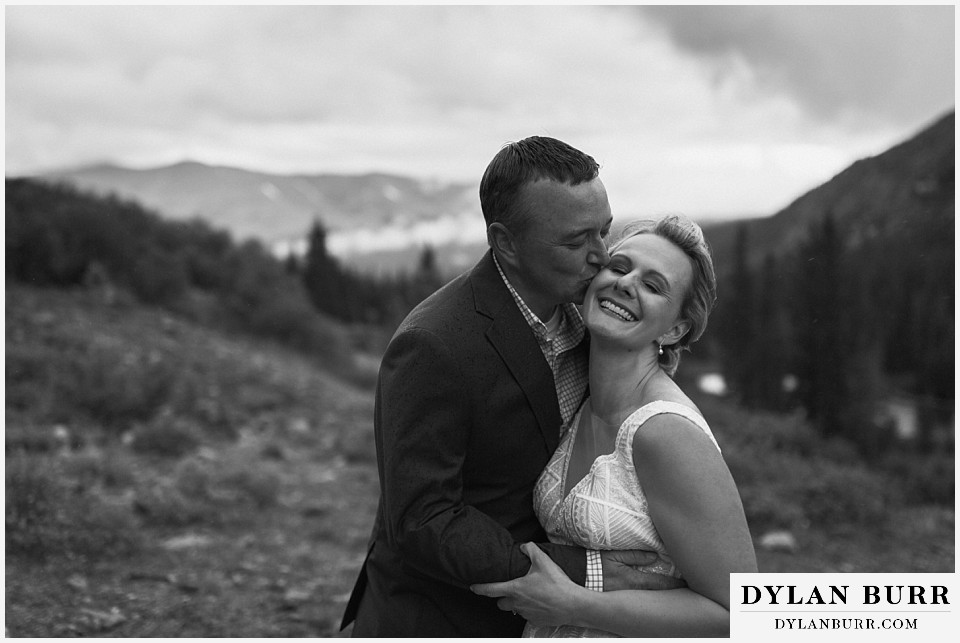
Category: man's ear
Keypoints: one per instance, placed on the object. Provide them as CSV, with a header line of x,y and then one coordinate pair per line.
x,y
673,335
503,242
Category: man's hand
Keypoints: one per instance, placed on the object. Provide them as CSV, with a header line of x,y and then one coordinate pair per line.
x,y
620,571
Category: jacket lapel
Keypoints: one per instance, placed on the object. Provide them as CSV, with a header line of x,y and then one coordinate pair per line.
x,y
514,341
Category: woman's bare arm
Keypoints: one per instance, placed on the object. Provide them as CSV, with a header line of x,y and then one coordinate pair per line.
x,y
696,508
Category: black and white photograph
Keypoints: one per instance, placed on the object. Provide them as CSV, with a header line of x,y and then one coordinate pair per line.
x,y
481,320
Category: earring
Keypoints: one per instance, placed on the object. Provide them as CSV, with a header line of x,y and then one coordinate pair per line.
x,y
660,350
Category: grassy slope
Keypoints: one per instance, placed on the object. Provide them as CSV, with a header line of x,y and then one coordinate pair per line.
x,y
259,529
223,565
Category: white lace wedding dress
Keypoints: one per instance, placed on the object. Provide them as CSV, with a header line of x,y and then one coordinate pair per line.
x,y
607,509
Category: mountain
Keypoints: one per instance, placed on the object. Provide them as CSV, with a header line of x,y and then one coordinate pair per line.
x,y
363,212
377,222
877,196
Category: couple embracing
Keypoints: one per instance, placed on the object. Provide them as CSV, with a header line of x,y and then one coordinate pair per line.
x,y
541,474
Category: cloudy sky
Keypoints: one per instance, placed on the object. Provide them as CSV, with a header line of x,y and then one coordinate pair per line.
x,y
712,111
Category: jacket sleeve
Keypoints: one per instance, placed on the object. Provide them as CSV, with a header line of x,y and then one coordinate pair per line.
x,y
422,435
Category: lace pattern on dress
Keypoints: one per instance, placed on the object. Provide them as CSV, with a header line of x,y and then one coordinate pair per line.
x,y
607,509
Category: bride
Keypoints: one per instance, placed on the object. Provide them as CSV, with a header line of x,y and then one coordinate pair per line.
x,y
639,468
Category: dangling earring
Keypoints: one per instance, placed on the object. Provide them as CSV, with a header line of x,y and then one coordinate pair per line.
x,y
660,349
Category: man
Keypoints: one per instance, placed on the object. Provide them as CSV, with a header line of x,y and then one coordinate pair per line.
x,y
473,392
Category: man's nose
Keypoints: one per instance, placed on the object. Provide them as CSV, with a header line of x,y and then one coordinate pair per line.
x,y
598,255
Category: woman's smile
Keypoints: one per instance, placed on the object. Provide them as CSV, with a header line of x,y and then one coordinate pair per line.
x,y
616,310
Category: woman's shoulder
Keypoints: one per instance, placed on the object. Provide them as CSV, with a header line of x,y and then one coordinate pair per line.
x,y
665,403
670,421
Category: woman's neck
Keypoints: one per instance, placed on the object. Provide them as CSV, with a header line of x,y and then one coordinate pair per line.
x,y
618,378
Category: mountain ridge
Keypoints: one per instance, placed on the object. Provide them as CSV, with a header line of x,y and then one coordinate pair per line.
x,y
274,208
874,195
378,220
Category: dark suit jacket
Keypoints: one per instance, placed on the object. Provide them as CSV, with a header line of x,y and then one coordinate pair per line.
x,y
466,418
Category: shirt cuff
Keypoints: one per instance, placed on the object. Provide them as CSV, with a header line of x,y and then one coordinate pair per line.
x,y
594,571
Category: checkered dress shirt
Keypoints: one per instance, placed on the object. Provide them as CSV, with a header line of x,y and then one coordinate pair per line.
x,y
569,370
570,378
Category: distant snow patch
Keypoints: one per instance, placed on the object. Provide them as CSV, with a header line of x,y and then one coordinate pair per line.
x,y
392,193
465,227
270,191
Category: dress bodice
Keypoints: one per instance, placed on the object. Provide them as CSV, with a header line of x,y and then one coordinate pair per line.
x,y
607,509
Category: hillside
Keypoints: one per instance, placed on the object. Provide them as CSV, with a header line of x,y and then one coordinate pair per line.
x,y
911,184
189,448
164,479
242,507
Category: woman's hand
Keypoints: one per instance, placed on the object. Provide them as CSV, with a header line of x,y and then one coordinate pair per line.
x,y
544,596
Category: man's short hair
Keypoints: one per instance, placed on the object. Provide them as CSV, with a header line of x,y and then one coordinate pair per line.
x,y
527,161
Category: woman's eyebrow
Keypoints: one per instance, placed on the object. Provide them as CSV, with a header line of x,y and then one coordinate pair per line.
x,y
659,276
622,258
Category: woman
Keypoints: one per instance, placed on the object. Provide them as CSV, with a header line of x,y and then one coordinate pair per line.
x,y
639,467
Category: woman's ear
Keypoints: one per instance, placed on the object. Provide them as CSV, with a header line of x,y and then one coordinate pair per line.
x,y
674,335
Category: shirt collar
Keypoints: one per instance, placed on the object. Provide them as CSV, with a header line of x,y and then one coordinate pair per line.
x,y
571,323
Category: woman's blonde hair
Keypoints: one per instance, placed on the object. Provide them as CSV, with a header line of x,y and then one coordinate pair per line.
x,y
701,297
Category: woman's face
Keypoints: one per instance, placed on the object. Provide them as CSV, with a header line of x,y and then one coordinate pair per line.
x,y
638,295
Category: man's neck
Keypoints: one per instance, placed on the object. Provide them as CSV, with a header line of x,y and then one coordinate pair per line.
x,y
543,310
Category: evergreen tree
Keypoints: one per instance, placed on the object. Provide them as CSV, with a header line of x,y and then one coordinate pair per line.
x,y
772,358
322,276
427,277
738,323
292,263
820,336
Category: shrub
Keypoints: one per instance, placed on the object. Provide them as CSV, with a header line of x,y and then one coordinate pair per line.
x,y
46,514
202,491
158,277
31,438
790,478
256,485
835,494
29,372
242,476
116,388
166,437
111,468
357,445
55,234
32,499
163,504
923,478
192,478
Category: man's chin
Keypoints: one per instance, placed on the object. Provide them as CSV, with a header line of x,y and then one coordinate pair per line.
x,y
580,296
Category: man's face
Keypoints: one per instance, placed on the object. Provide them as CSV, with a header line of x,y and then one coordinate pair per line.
x,y
562,246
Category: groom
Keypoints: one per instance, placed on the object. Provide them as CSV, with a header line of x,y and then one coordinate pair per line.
x,y
472,394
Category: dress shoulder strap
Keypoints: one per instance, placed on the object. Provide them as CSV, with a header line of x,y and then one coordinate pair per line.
x,y
657,407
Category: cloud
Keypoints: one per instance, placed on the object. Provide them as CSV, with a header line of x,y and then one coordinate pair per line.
x,y
889,62
693,108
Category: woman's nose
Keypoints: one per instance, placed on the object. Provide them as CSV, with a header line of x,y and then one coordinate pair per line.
x,y
625,284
